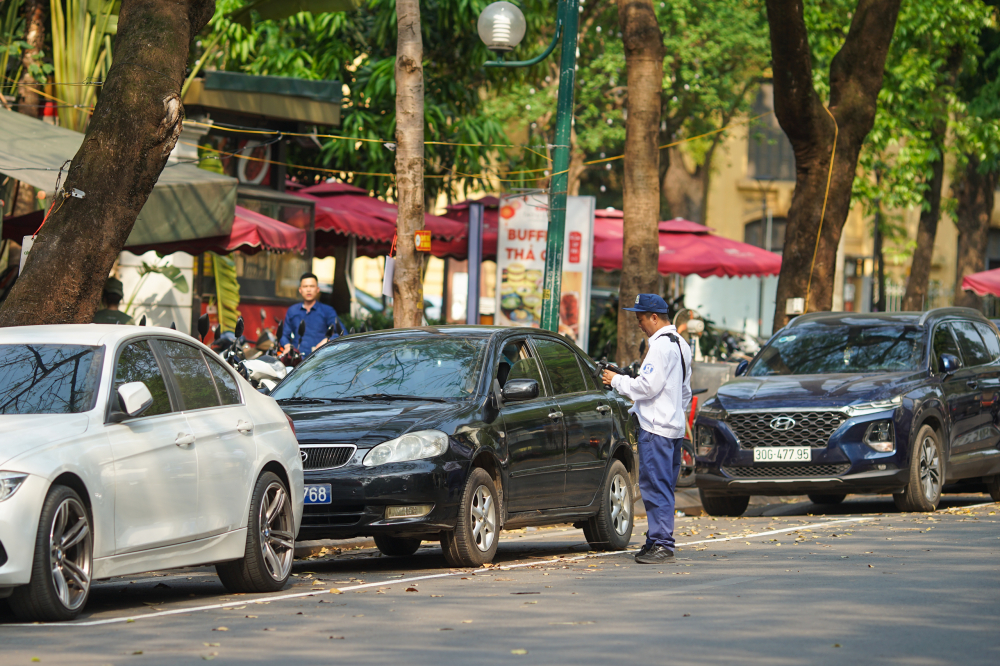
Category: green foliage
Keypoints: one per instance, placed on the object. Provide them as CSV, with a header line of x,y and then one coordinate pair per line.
x,y
81,51
227,289
377,321
603,330
11,44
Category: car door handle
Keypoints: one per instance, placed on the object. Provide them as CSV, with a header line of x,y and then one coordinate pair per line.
x,y
245,427
555,415
184,439
603,409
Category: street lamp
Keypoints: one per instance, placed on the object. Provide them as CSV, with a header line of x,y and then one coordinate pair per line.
x,y
501,27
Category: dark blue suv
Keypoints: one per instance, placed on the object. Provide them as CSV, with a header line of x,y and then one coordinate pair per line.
x,y
840,403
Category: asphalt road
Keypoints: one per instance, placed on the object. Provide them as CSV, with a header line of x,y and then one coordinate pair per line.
x,y
790,584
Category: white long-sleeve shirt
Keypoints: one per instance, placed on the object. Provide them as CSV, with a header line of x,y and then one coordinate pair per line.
x,y
660,393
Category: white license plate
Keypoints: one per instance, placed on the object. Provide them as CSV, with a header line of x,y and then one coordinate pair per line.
x,y
782,454
317,494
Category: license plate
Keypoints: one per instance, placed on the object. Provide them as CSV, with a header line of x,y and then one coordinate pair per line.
x,y
782,454
317,494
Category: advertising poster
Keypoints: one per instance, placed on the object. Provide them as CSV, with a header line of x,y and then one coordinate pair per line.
x,y
524,223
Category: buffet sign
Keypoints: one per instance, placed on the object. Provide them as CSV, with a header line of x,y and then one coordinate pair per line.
x,y
523,232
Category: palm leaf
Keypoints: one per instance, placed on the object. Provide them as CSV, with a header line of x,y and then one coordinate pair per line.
x,y
227,290
281,9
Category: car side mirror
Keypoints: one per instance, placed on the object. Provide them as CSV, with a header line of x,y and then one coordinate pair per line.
x,y
741,368
133,399
519,389
203,326
240,327
949,363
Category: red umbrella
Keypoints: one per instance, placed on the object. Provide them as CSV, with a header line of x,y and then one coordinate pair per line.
x,y
983,283
687,248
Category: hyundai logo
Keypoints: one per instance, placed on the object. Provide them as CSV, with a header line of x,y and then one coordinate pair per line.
x,y
782,423
305,454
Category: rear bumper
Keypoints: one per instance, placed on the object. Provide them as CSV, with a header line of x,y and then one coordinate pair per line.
x,y
360,495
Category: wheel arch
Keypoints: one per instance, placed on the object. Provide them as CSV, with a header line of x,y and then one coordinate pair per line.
x,y
75,483
279,470
487,460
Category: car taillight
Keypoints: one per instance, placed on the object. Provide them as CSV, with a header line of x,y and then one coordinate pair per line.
x,y
291,424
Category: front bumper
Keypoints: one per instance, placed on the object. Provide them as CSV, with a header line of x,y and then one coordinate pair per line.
x,y
18,529
846,465
359,496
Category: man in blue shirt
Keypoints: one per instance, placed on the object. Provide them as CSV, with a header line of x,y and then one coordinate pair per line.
x,y
318,317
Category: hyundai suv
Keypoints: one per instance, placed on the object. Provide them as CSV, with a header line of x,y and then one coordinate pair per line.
x,y
839,403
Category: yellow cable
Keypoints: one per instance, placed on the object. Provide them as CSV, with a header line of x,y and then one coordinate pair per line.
x,y
822,216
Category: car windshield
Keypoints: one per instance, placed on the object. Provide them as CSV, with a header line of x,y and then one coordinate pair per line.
x,y
49,379
440,367
841,348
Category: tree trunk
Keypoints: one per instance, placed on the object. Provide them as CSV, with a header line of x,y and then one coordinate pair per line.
x,y
809,260
407,290
135,125
576,166
683,190
644,52
34,33
920,265
974,192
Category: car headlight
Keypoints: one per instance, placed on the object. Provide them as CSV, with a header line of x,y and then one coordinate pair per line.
x,y
879,436
704,440
411,446
9,483
713,411
876,405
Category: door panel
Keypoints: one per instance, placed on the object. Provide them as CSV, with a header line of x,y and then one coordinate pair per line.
x,y
535,435
587,415
961,390
223,435
156,480
976,374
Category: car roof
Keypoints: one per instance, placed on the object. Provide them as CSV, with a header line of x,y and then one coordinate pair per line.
x,y
884,318
456,330
81,334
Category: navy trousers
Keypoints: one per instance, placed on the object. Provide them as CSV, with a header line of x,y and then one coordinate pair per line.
x,y
659,465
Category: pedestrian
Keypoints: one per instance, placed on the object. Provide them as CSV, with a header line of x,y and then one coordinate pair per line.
x,y
318,317
114,293
662,394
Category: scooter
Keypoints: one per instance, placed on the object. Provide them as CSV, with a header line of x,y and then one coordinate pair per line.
x,y
293,357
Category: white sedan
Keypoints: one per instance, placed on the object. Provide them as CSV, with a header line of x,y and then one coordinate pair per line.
x,y
126,449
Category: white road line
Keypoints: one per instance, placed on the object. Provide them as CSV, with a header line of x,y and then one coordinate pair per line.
x,y
406,581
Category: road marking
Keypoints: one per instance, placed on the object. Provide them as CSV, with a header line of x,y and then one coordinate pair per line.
x,y
406,581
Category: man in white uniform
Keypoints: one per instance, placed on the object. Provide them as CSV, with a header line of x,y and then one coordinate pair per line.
x,y
662,395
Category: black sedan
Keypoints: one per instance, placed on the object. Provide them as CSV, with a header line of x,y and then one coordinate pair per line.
x,y
454,433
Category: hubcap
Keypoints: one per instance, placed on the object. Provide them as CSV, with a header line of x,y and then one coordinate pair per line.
x,y
69,553
277,543
484,522
621,507
930,469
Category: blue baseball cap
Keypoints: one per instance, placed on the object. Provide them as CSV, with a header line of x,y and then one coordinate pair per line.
x,y
649,303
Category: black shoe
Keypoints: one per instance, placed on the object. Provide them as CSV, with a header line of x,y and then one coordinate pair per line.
x,y
655,555
645,549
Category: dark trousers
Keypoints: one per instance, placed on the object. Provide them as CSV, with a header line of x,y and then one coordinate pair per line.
x,y
659,465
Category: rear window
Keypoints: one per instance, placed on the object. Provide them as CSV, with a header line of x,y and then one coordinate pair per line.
x,y
841,348
49,379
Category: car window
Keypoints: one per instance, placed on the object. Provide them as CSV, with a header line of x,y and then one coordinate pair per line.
x,y
973,349
49,379
516,362
136,363
561,364
989,338
944,343
224,382
191,372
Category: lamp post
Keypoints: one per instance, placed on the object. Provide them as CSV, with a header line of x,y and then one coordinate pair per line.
x,y
501,27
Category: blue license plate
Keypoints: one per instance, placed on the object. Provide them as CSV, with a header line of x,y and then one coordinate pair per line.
x,y
317,494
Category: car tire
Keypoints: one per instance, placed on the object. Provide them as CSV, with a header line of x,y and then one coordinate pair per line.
x,y
993,487
611,528
62,566
826,499
727,505
923,490
270,548
685,478
473,542
396,546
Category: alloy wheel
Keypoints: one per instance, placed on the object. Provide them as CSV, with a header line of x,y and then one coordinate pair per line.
x,y
70,543
484,520
930,469
277,543
620,508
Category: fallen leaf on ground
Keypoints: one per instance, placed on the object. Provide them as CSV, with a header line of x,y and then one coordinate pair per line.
x,y
412,589
221,629
334,590
211,644
519,651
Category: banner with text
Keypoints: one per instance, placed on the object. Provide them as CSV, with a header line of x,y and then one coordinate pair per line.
x,y
524,223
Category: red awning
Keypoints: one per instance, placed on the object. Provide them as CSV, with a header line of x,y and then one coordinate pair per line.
x,y
687,248
985,283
